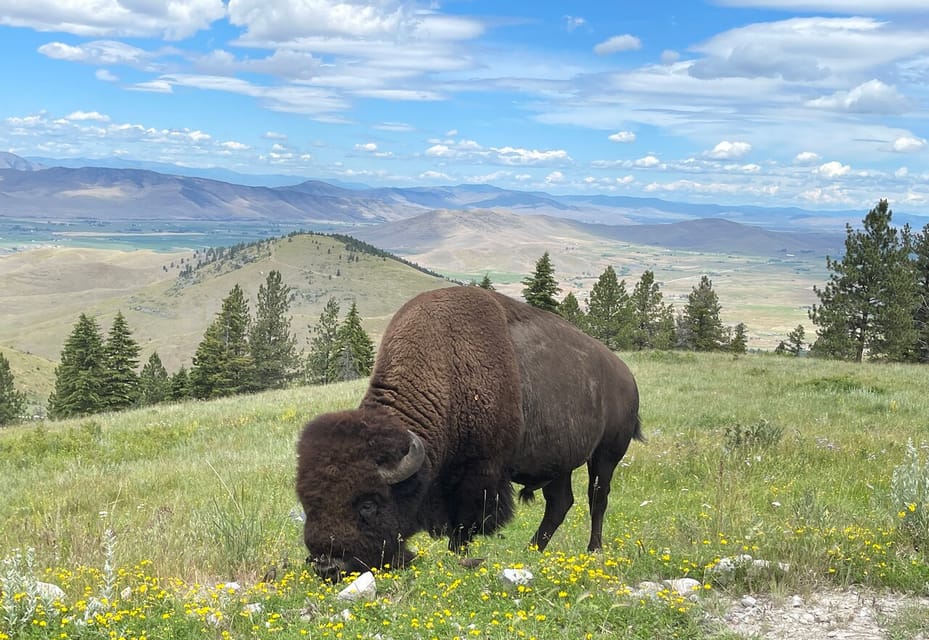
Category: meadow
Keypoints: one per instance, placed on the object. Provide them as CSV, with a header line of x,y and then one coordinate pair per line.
x,y
181,521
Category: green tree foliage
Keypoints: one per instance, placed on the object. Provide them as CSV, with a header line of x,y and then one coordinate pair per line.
x,y
700,328
920,351
541,287
609,311
322,344
794,344
272,343
570,310
154,384
867,305
739,341
80,378
485,283
122,359
653,324
353,351
223,363
12,402
180,385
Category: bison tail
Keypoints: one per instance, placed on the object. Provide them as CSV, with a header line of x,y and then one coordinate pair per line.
x,y
637,431
527,495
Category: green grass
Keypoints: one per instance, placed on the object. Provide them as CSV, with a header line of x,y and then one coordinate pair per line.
x,y
789,460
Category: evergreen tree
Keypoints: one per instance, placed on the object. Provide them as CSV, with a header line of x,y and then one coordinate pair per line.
x,y
180,385
80,378
867,306
12,402
223,365
570,310
122,359
541,287
272,343
353,350
739,341
795,338
702,328
322,345
486,283
154,384
653,326
609,311
920,351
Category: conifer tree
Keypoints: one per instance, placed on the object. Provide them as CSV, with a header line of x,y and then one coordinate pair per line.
x,y
80,377
353,350
322,344
653,326
180,385
609,311
122,359
795,340
154,384
702,328
486,283
223,365
541,287
867,306
272,343
570,310
920,351
12,402
739,341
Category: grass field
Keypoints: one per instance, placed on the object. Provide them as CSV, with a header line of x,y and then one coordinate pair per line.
x,y
145,518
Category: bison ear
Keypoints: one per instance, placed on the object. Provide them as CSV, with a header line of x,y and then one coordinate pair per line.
x,y
408,465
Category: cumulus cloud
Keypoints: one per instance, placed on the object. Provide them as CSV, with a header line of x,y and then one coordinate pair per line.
x,y
433,175
647,162
367,146
669,57
806,157
833,169
233,145
83,116
98,52
115,18
625,42
727,150
908,144
555,177
622,136
872,96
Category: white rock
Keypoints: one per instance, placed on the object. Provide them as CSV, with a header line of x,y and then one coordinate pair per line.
x,y
516,576
748,602
252,608
49,592
796,601
725,565
232,586
647,589
684,586
362,588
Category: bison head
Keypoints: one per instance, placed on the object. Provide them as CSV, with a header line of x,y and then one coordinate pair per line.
x,y
359,480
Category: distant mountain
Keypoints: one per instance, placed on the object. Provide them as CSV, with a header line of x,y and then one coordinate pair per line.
x,y
13,161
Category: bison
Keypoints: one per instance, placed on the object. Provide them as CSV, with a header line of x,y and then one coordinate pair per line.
x,y
471,391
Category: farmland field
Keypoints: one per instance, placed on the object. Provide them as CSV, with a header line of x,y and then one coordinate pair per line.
x,y
176,521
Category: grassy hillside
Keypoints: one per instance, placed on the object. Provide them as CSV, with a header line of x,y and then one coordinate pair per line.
x,y
45,290
789,460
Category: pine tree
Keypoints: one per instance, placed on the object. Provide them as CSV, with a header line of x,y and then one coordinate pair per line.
x,y
653,326
702,328
154,384
223,365
795,340
541,287
353,350
122,359
80,377
609,311
739,341
486,283
868,304
180,385
570,310
12,402
272,343
322,345
920,351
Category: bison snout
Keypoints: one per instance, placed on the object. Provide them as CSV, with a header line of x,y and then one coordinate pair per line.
x,y
329,568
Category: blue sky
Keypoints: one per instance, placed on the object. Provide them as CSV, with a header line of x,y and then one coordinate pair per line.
x,y
812,103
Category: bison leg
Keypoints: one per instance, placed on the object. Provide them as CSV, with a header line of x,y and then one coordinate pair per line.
x,y
600,470
558,499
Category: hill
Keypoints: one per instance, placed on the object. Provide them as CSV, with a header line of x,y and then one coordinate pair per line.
x,y
45,290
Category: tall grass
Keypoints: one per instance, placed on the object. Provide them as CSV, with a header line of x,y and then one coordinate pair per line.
x,y
787,460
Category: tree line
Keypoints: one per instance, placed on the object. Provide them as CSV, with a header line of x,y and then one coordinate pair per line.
x,y
640,319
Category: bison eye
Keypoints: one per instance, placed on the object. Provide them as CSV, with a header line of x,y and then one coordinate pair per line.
x,y
367,509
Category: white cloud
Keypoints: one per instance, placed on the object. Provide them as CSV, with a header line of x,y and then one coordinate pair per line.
x,y
555,177
669,57
908,144
105,75
82,116
574,22
622,136
451,133
902,172
274,135
647,162
727,150
439,151
833,169
98,52
872,96
807,157
119,18
370,147
399,127
233,145
153,86
519,156
625,42
852,7
830,195
433,175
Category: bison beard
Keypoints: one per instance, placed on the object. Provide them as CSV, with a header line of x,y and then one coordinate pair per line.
x,y
471,390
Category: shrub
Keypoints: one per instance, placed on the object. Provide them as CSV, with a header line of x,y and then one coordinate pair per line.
x,y
761,434
909,489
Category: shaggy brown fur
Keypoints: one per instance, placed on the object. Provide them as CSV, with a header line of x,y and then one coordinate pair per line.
x,y
496,391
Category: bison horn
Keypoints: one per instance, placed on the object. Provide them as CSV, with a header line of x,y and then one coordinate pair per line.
x,y
408,465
